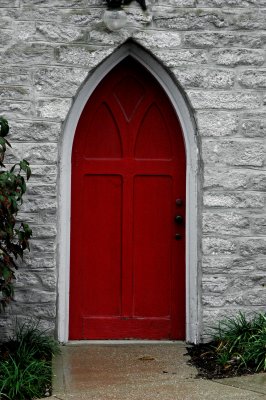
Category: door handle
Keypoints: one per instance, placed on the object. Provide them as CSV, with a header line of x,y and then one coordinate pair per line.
x,y
178,219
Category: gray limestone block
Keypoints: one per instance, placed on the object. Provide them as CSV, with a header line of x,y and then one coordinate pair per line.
x,y
174,3
43,174
23,53
232,265
35,204
14,93
246,281
38,263
27,280
39,311
233,152
89,18
258,182
6,37
81,55
42,246
181,57
41,189
158,39
28,218
35,296
234,57
234,200
250,19
231,100
253,247
16,109
253,126
55,3
36,279
24,31
190,19
217,123
231,3
225,223
18,76
214,284
34,131
43,231
101,37
53,108
58,80
205,78
255,297
41,153
9,3
60,33
136,17
226,179
48,216
209,300
216,245
223,39
253,79
259,225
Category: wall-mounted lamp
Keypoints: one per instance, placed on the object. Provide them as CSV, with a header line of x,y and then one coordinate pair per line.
x,y
115,17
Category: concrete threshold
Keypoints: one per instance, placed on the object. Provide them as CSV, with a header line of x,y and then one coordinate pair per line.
x,y
141,370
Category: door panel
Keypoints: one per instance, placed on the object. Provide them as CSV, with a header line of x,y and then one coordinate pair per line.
x,y
102,245
127,276
152,247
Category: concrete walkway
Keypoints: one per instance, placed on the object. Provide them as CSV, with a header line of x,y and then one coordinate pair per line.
x,y
142,372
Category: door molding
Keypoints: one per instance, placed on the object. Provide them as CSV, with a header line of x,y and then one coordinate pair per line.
x,y
65,145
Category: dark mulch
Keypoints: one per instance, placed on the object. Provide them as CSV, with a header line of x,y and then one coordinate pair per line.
x,y
203,357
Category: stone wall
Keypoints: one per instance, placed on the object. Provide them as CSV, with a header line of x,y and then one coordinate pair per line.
x,y
216,50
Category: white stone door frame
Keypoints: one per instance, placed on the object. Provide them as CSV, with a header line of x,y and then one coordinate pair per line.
x,y
64,198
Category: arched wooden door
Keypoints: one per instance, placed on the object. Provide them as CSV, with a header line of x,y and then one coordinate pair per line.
x,y
127,276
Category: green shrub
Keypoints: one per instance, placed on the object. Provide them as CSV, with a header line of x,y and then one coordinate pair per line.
x,y
24,379
25,367
28,337
14,237
241,341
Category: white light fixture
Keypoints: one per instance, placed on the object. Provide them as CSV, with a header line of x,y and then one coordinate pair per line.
x,y
115,17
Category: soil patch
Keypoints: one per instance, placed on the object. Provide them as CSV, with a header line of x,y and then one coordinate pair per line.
x,y
204,358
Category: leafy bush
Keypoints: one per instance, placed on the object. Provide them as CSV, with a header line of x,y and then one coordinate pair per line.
x,y
24,379
241,341
14,238
25,367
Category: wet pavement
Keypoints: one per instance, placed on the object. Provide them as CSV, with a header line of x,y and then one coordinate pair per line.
x,y
142,371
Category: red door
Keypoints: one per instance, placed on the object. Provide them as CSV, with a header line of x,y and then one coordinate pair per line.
x,y
127,276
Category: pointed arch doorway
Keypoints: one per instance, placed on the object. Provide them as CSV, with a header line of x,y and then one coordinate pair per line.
x,y
182,110
127,265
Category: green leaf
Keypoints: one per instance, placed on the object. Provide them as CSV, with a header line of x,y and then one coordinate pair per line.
x,y
3,143
4,127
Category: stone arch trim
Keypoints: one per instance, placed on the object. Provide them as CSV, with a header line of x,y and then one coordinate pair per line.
x,y
63,244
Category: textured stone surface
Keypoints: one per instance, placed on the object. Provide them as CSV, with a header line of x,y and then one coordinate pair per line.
x,y
217,123
234,153
58,81
234,200
224,99
223,39
254,126
205,78
215,51
253,79
220,223
234,57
